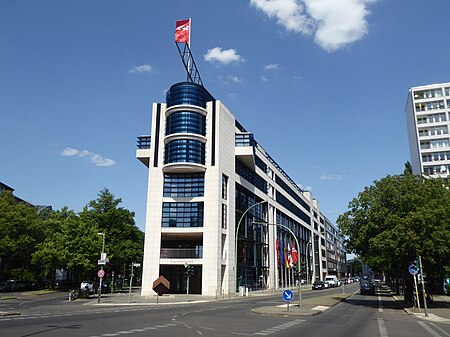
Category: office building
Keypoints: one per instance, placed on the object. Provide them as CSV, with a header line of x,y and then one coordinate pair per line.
x,y
427,115
208,177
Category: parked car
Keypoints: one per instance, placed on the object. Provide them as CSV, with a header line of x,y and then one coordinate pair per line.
x,y
367,288
376,282
105,287
87,287
318,285
332,281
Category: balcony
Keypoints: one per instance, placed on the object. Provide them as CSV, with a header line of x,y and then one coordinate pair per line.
x,y
143,149
182,253
244,149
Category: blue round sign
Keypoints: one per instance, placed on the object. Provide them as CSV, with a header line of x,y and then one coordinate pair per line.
x,y
413,270
288,295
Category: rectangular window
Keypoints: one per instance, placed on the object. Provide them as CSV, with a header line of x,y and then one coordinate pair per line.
x,y
182,214
224,216
224,187
184,185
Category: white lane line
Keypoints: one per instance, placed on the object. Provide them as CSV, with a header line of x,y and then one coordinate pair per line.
x,y
382,328
380,304
429,330
441,330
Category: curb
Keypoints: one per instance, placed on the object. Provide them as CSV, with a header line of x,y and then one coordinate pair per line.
x,y
421,316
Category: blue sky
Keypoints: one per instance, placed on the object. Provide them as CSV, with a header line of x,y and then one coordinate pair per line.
x,y
322,84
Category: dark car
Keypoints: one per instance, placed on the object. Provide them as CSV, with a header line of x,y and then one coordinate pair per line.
x,y
318,285
367,288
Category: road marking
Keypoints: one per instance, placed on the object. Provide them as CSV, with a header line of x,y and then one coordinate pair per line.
x,y
382,328
380,304
431,331
277,328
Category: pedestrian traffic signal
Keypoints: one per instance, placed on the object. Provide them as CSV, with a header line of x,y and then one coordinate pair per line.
x,y
189,270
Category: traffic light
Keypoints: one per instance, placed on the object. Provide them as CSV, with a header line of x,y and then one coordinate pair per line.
x,y
303,266
188,270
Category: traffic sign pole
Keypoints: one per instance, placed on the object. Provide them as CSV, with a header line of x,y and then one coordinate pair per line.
x,y
423,287
288,296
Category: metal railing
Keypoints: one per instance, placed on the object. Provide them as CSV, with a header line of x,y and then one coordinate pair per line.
x,y
170,253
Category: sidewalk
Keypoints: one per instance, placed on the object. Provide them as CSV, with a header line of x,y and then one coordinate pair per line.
x,y
438,311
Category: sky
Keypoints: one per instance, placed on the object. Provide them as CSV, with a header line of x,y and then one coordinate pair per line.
x,y
322,84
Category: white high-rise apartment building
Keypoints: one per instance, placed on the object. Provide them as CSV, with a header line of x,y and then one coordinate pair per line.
x,y
208,178
428,123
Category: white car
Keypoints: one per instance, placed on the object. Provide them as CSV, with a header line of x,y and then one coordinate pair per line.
x,y
87,286
332,280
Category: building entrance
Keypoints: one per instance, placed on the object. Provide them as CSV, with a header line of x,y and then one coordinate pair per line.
x,y
175,274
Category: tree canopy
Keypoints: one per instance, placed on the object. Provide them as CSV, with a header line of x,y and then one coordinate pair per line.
x,y
37,243
397,219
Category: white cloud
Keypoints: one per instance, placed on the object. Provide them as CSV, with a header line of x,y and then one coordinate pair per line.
x,y
334,23
222,56
263,78
145,68
289,14
272,66
235,79
94,158
69,152
336,177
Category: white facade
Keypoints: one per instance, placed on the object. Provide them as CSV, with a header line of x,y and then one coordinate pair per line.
x,y
234,166
428,122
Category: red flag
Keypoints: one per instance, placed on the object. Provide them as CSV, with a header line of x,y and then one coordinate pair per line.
x,y
183,31
294,254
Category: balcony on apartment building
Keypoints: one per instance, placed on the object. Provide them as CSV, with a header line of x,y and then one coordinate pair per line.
x,y
244,148
143,149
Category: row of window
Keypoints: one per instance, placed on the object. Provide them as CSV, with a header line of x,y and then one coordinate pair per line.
x,y
182,214
244,139
294,195
434,118
302,233
430,106
185,151
436,169
188,93
186,122
251,176
436,131
434,144
184,185
438,156
430,93
282,200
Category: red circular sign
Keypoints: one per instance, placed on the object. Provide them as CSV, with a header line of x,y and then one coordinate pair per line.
x,y
101,273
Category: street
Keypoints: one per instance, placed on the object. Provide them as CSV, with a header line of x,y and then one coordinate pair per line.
x,y
357,316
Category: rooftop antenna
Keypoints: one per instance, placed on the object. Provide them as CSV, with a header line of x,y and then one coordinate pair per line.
x,y
183,42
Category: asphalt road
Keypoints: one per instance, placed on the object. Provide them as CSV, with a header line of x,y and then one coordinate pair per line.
x,y
358,316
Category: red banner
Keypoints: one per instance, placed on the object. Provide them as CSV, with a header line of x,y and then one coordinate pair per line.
x,y
183,30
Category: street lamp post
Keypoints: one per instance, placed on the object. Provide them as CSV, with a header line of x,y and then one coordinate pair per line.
x,y
309,245
237,237
101,267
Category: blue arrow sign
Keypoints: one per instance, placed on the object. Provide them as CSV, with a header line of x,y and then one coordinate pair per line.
x,y
288,295
413,270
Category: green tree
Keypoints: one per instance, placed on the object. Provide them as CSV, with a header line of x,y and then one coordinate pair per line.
x,y
70,244
124,241
398,218
20,231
